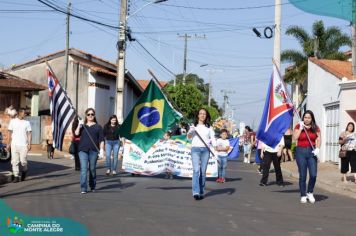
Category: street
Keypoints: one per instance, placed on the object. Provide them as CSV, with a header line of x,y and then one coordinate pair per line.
x,y
126,205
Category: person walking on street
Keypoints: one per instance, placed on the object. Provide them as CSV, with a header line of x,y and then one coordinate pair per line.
x,y
112,144
223,147
20,142
287,150
200,153
91,138
270,154
308,137
75,141
247,144
348,140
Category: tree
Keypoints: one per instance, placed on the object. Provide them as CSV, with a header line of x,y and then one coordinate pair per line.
x,y
187,98
323,43
214,113
200,85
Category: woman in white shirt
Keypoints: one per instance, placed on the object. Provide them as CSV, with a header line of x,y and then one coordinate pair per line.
x,y
348,140
200,153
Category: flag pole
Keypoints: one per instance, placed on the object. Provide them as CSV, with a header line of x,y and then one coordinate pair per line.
x,y
184,118
76,113
289,98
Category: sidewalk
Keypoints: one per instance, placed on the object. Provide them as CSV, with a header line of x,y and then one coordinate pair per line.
x,y
328,178
38,163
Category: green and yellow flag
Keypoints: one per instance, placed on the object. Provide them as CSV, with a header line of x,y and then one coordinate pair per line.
x,y
150,118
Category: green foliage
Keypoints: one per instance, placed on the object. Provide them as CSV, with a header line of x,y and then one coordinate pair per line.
x,y
214,113
196,81
325,43
187,98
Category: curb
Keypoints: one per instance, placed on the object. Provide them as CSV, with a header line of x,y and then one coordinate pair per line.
x,y
341,190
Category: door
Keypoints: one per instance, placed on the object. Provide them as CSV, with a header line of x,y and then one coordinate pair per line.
x,y
35,122
332,129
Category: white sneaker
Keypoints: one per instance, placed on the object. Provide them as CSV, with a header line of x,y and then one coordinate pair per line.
x,y
114,172
310,197
303,199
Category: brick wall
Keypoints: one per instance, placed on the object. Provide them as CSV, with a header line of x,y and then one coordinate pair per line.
x,y
46,131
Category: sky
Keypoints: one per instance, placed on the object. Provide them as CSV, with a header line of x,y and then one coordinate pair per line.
x,y
239,63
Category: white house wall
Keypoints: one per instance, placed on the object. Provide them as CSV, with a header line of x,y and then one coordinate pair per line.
x,y
323,88
347,104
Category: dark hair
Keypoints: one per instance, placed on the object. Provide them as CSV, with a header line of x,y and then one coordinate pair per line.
x,y
169,133
207,119
75,124
224,131
313,123
109,121
86,112
350,123
248,128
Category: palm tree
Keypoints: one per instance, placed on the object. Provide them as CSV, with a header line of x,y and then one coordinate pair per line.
x,y
323,44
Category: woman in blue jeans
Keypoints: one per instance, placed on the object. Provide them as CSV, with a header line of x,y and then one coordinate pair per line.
x,y
307,154
91,138
112,144
200,153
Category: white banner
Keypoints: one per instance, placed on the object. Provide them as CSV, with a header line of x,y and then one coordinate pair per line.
x,y
164,156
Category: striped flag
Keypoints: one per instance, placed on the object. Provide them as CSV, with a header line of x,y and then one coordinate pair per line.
x,y
62,110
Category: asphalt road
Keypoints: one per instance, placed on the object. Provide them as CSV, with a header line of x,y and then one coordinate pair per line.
x,y
126,205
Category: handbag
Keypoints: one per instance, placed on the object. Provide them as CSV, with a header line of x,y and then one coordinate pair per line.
x,y
343,150
72,148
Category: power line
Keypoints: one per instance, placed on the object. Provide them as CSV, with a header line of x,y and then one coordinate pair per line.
x,y
155,59
224,9
76,16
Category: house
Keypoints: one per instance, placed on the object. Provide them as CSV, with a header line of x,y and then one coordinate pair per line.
x,y
20,92
91,82
144,83
331,96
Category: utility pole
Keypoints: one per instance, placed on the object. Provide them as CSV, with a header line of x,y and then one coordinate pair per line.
x,y
211,72
277,34
67,46
226,100
186,36
120,63
353,52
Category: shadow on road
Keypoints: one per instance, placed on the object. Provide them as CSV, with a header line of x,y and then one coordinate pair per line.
x,y
117,185
228,191
169,188
17,193
287,191
320,197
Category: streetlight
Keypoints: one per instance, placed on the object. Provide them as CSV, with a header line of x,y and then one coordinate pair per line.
x,y
121,55
138,10
185,75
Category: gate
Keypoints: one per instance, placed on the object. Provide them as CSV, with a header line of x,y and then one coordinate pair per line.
x,y
35,122
332,129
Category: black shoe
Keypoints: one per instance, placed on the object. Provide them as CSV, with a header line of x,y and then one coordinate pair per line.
x,y
281,185
263,184
201,197
16,179
23,175
196,197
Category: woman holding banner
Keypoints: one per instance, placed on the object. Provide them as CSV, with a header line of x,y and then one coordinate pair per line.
x,y
308,137
202,134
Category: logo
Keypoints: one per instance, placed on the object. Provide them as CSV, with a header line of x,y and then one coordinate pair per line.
x,y
15,225
148,116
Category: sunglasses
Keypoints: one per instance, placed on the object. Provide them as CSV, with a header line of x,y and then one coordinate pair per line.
x,y
90,114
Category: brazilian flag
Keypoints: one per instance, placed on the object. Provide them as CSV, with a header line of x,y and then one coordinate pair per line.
x,y
150,118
